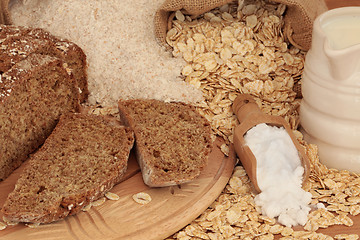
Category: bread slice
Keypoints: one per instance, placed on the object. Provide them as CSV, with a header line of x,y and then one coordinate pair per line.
x,y
33,95
172,140
17,43
81,160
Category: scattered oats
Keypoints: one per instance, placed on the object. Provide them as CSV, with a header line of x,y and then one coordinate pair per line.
x,y
344,219
249,9
98,202
187,70
302,234
215,20
289,59
268,220
32,225
276,229
112,196
142,198
2,226
320,205
286,231
227,16
354,210
227,231
225,54
11,223
210,65
179,16
86,208
251,21
347,236
311,226
225,149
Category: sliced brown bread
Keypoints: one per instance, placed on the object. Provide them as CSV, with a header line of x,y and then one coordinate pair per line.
x,y
172,140
17,43
33,95
81,160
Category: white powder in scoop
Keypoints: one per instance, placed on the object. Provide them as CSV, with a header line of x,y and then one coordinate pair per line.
x,y
279,175
124,58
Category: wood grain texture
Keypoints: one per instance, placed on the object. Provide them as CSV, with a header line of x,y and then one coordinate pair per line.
x,y
171,208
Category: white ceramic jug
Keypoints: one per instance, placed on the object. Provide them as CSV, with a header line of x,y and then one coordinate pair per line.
x,y
330,108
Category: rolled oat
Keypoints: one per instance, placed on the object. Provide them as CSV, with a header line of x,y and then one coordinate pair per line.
x,y
142,198
98,202
2,226
33,225
112,196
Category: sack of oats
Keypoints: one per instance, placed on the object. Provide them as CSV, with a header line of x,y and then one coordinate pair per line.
x,y
4,12
299,18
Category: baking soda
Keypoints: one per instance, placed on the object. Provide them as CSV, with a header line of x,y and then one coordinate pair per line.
x,y
279,175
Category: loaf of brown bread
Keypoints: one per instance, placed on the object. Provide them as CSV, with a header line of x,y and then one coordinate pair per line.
x,y
172,140
17,43
41,77
33,95
81,160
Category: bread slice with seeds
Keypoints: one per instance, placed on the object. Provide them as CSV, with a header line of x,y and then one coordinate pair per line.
x,y
81,160
172,140
33,95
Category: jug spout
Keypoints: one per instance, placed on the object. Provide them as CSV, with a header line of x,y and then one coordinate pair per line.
x,y
339,33
341,29
345,63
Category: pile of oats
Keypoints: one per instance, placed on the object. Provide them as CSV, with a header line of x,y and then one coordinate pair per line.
x,y
240,48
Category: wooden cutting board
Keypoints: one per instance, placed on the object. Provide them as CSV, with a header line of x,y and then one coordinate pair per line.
x,y
171,208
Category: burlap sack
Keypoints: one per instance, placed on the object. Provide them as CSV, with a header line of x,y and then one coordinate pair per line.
x,y
4,12
299,18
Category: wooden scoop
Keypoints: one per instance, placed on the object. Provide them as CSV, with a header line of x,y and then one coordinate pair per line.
x,y
250,115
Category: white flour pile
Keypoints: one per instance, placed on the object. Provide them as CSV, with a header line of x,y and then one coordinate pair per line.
x,y
279,175
124,59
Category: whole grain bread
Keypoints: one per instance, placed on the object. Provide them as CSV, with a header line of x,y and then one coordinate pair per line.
x,y
17,43
33,95
172,140
81,160
41,77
